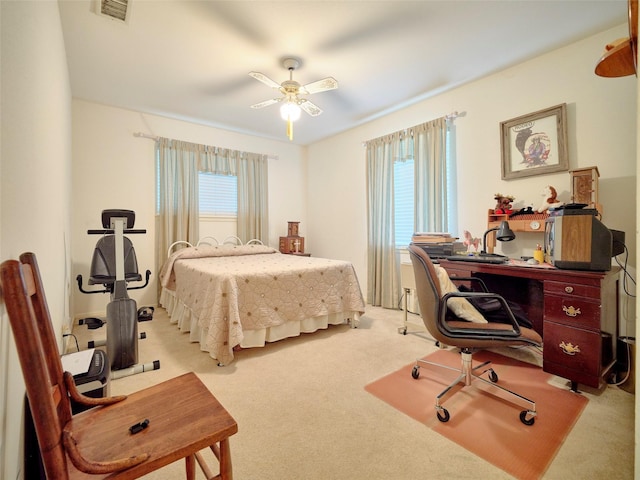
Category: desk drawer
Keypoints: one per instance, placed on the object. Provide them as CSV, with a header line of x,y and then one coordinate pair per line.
x,y
572,289
454,272
572,311
573,348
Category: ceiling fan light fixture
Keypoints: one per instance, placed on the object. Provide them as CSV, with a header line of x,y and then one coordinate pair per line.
x,y
292,104
290,111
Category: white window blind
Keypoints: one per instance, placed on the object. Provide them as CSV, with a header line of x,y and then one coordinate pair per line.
x,y
218,195
403,197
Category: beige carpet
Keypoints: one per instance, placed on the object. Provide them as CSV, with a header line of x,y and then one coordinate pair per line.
x,y
303,412
482,423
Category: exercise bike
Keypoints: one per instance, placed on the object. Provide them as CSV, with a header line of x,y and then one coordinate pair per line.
x,y
114,266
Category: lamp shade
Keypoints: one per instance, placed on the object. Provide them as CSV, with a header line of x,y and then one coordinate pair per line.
x,y
504,233
290,111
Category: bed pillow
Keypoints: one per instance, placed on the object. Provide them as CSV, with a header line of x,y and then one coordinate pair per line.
x,y
459,306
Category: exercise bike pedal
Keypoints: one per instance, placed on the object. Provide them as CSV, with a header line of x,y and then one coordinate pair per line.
x,y
145,314
92,323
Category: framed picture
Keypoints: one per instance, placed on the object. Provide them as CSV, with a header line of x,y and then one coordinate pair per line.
x,y
535,144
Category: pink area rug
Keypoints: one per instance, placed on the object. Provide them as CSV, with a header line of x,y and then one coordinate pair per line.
x,y
482,423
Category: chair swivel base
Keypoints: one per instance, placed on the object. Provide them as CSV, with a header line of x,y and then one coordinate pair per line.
x,y
467,375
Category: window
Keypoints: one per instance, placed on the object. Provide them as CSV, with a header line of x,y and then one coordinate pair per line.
x,y
403,194
218,195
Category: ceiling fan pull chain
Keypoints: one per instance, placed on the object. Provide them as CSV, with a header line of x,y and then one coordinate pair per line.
x,y
290,129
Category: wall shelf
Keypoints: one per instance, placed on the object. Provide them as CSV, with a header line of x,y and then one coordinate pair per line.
x,y
533,223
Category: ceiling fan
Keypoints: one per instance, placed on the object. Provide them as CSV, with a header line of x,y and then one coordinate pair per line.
x,y
291,90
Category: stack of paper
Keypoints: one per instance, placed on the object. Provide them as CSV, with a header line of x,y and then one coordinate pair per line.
x,y
432,237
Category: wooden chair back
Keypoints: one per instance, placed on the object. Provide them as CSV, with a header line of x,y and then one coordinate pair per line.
x,y
30,321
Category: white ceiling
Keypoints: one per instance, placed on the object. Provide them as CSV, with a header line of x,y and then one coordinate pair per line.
x,y
190,59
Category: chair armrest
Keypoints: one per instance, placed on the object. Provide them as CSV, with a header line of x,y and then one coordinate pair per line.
x,y
506,333
76,396
477,280
97,467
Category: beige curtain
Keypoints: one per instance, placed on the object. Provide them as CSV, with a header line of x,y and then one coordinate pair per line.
x,y
251,170
426,144
383,274
178,215
430,160
253,211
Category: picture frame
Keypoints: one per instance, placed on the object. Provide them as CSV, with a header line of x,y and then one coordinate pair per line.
x,y
535,144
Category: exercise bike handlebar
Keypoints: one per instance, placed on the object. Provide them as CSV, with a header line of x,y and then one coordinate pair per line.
x,y
108,231
109,289
146,282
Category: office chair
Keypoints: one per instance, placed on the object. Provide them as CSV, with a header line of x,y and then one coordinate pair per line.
x,y
123,436
466,335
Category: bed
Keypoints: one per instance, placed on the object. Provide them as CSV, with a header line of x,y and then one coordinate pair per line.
x,y
228,296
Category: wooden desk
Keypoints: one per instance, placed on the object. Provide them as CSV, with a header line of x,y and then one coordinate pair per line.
x,y
576,312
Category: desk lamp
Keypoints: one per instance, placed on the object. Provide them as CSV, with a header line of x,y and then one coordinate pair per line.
x,y
504,234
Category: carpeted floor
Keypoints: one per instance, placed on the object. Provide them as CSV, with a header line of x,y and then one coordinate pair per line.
x,y
482,423
303,412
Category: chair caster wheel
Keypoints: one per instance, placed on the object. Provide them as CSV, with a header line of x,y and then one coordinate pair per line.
x,y
527,421
443,415
493,376
415,371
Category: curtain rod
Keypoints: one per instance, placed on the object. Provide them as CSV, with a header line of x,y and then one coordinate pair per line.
x,y
152,137
451,116
145,135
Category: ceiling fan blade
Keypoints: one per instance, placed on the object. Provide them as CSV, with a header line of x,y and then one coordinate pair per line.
x,y
323,85
266,103
264,79
309,107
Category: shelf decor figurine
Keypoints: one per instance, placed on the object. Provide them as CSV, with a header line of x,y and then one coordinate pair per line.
x,y
550,199
503,204
470,241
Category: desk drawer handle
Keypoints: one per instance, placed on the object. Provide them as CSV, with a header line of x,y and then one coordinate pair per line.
x,y
569,348
571,311
568,289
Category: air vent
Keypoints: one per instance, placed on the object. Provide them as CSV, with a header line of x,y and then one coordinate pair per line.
x,y
116,9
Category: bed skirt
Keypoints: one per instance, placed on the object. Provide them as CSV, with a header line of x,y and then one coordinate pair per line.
x,y
181,315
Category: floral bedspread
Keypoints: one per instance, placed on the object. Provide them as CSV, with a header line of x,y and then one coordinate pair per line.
x,y
229,289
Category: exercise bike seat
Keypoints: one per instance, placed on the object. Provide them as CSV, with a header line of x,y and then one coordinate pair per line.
x,y
103,263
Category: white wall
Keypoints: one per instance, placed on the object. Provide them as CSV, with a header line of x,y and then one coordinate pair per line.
x,y
601,131
114,169
35,183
